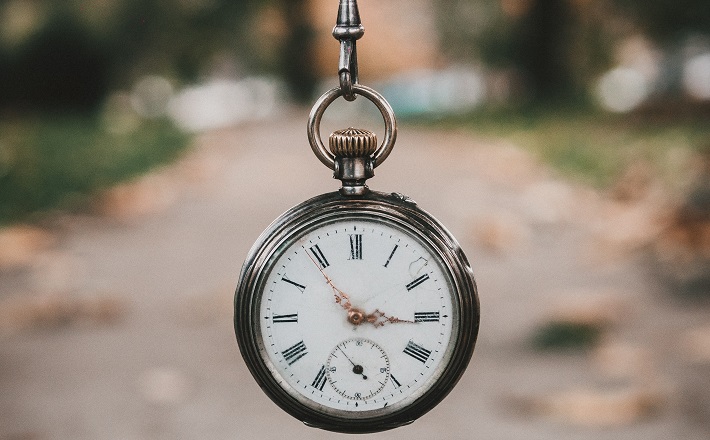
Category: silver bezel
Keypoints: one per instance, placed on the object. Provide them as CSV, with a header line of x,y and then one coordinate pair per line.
x,y
404,214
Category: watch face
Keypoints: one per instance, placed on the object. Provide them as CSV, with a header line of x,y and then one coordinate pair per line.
x,y
357,315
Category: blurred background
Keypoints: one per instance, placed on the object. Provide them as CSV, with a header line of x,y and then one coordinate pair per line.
x,y
568,144
95,76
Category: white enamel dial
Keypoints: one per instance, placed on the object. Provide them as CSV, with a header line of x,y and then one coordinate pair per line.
x,y
357,315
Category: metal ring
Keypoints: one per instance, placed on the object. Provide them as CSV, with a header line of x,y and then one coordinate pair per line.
x,y
324,101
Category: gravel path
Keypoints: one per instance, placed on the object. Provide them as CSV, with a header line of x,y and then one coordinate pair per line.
x,y
159,360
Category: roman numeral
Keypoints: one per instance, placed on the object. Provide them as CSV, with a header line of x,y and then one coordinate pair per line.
x,y
418,281
285,318
417,351
391,255
356,246
395,381
294,353
426,317
318,254
293,283
319,381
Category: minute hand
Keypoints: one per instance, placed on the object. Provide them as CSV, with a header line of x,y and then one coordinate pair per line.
x,y
341,297
379,319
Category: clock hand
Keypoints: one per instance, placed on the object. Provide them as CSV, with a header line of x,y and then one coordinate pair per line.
x,y
357,369
341,297
379,319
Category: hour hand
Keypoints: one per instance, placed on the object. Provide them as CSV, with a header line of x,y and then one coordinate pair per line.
x,y
376,318
379,318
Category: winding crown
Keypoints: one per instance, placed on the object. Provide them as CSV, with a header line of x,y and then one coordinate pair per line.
x,y
352,142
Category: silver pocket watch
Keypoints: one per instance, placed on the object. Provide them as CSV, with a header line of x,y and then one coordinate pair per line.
x,y
356,311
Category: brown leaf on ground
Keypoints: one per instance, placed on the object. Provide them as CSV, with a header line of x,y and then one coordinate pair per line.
x,y
683,249
600,309
147,195
197,167
21,244
500,233
210,307
635,182
621,228
696,345
622,360
24,313
594,407
505,164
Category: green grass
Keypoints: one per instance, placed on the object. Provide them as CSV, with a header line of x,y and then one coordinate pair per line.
x,y
59,161
566,336
592,146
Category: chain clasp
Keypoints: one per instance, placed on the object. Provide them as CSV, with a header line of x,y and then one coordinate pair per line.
x,y
348,30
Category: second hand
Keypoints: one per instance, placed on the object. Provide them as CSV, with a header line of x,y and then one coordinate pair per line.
x,y
357,369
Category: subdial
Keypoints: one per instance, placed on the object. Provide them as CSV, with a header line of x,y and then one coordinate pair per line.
x,y
358,369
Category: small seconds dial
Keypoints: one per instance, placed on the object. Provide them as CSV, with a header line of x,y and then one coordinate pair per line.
x,y
358,369
356,315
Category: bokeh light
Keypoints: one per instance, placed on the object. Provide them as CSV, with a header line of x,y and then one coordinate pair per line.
x,y
622,89
696,76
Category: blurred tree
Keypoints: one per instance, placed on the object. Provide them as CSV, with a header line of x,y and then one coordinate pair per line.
x,y
177,37
541,48
58,67
669,21
297,50
69,54
552,45
476,31
558,46
74,52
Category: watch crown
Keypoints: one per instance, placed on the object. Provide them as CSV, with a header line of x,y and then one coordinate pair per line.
x,y
352,142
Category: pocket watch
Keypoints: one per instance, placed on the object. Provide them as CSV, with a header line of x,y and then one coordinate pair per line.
x,y
356,311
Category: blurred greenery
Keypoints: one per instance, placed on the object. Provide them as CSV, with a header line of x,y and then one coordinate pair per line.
x,y
59,161
589,145
70,54
560,335
67,57
555,49
669,20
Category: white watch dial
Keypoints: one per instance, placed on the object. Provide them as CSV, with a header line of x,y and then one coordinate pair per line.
x,y
357,315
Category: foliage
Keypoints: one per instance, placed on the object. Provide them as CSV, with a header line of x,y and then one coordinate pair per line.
x,y
591,146
69,54
669,20
58,161
553,47
557,47
560,335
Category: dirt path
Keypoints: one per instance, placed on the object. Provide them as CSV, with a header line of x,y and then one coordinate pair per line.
x,y
164,363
